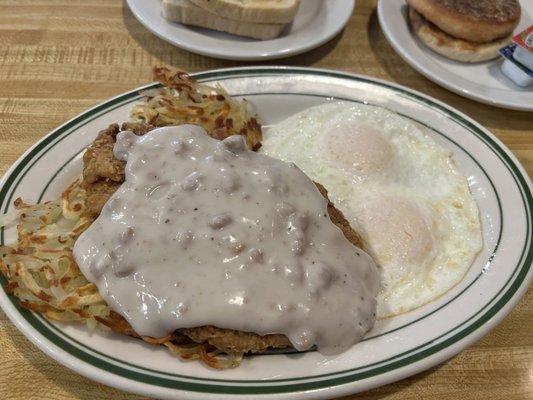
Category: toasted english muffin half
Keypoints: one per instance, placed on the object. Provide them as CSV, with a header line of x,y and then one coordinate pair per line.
x,y
452,47
478,21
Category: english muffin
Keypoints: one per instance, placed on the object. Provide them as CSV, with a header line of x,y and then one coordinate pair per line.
x,y
478,21
452,47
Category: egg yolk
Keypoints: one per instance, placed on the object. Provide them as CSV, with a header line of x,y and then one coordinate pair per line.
x,y
358,148
397,233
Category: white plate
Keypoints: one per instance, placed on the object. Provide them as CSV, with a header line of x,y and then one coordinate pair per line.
x,y
317,21
395,348
483,82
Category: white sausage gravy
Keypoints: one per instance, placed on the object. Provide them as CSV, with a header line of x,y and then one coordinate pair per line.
x,y
206,232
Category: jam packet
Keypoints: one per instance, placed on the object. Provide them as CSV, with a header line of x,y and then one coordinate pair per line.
x,y
518,63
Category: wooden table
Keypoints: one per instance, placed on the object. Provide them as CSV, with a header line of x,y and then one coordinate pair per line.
x,y
57,58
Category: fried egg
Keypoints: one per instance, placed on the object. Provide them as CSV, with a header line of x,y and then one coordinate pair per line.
x,y
397,187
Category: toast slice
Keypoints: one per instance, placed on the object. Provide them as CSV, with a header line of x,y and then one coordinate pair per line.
x,y
186,12
261,11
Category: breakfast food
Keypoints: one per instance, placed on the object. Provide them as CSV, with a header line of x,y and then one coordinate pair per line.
x,y
451,47
42,273
260,11
252,18
215,251
62,292
468,31
194,210
186,12
399,189
182,100
478,21
291,268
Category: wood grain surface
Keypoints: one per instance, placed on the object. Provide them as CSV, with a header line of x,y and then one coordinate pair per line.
x,y
58,58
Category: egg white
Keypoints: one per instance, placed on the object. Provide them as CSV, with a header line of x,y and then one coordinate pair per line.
x,y
399,189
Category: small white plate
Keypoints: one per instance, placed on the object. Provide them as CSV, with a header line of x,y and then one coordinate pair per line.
x,y
395,348
317,21
482,82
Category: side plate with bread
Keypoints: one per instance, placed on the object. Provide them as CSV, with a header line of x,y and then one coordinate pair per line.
x,y
250,30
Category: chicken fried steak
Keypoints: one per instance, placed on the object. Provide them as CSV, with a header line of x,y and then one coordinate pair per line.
x,y
103,174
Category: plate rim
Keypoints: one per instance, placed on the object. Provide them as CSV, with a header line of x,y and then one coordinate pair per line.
x,y
340,388
419,67
258,56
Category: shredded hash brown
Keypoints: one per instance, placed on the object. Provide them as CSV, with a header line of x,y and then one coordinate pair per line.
x,y
182,100
42,273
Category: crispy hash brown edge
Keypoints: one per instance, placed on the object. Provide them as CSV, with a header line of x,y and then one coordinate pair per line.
x,y
183,100
41,272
